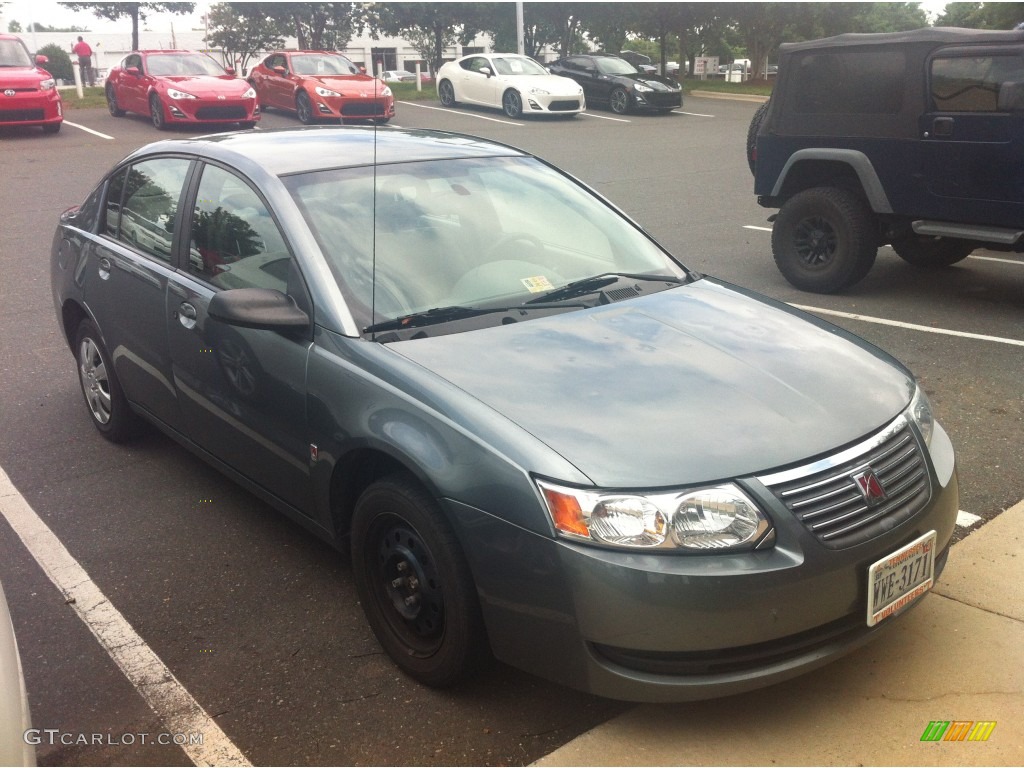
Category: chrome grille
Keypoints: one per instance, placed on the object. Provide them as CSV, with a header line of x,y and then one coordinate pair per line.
x,y
825,496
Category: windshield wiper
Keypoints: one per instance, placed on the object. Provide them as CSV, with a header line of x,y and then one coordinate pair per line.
x,y
439,315
597,283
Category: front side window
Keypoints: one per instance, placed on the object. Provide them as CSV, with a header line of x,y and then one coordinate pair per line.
x,y
150,192
973,83
234,241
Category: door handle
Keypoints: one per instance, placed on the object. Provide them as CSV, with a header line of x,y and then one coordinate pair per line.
x,y
187,315
103,268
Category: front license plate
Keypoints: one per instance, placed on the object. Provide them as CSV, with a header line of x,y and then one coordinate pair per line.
x,y
899,579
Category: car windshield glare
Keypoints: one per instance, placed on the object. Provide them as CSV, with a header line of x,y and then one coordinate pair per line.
x,y
517,65
323,64
611,66
466,232
14,54
183,65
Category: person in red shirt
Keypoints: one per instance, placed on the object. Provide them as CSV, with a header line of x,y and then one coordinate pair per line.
x,y
82,50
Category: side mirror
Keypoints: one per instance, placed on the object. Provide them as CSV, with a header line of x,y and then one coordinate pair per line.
x,y
229,71
280,70
1011,97
261,308
486,71
133,71
40,59
362,70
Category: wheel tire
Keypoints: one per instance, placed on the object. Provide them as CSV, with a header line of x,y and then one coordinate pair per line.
x,y
512,103
619,101
104,398
924,251
381,120
156,113
304,109
446,93
247,125
414,583
52,127
755,126
115,111
824,239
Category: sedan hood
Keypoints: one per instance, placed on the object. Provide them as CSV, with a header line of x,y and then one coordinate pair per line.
x,y
22,77
692,385
206,86
657,82
349,83
553,84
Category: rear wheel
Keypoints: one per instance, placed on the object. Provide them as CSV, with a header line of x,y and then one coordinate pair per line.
x,y
108,407
156,113
924,251
824,239
755,126
414,583
446,93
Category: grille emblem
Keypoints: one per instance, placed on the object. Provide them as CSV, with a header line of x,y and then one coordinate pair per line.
x,y
869,487
9,92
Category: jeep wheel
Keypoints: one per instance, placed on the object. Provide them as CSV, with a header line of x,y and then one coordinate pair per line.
x,y
824,239
924,251
755,126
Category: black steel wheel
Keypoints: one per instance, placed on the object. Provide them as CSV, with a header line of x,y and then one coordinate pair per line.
x,y
824,239
512,103
108,407
924,251
446,93
304,108
619,101
755,126
156,113
414,583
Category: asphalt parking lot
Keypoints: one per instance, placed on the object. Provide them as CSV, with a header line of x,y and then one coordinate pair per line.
x,y
258,620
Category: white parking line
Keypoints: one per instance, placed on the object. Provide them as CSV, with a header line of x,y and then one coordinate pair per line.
x,y
966,519
459,112
88,130
605,117
691,114
759,229
180,713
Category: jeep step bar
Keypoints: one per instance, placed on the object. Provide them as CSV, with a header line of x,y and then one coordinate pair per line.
x,y
1000,235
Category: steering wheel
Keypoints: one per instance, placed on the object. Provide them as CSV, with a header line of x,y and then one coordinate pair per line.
x,y
506,240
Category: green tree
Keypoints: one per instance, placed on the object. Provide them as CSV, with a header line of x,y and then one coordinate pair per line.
x,y
429,27
318,26
135,11
14,27
59,62
243,30
982,15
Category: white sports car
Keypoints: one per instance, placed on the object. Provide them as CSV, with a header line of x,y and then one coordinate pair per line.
x,y
516,84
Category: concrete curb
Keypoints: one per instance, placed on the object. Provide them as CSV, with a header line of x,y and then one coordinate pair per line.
x,y
959,656
730,96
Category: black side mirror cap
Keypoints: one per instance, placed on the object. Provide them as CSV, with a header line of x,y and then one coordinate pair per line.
x,y
261,308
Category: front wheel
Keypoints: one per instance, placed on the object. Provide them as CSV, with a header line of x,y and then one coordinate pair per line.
x,y
446,93
414,583
512,103
156,113
112,107
304,108
619,101
824,239
924,251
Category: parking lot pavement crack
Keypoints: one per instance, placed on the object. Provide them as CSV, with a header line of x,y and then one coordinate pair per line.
x,y
979,607
940,696
361,698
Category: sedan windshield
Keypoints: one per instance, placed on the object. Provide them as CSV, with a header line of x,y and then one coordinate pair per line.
x,y
182,64
318,64
13,54
473,234
517,65
613,66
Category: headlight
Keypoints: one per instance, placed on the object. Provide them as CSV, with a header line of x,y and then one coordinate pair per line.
x,y
641,88
385,91
325,92
249,94
539,92
719,519
47,85
174,93
920,411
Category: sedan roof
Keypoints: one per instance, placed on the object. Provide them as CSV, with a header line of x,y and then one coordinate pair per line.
x,y
298,150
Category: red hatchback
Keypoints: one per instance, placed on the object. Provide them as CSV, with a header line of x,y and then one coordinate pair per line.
x,y
28,93
321,85
180,87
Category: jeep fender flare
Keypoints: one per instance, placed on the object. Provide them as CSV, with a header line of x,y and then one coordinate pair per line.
x,y
858,161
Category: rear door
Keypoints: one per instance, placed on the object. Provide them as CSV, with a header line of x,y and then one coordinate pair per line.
x,y
242,391
974,135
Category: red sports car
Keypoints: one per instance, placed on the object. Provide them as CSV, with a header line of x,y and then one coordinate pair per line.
x,y
319,85
180,87
28,93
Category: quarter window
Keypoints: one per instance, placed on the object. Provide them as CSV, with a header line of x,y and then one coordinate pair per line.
x,y
235,243
151,192
972,83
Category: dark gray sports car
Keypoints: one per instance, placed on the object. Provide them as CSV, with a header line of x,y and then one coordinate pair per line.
x,y
541,436
614,82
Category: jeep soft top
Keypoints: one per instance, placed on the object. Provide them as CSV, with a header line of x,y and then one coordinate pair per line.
x,y
914,139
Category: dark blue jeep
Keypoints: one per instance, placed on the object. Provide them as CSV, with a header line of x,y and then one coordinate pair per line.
x,y
913,139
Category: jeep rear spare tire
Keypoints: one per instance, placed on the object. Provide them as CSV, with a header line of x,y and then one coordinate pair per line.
x,y
925,251
824,239
752,131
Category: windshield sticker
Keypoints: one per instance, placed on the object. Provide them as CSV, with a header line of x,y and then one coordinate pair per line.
x,y
537,284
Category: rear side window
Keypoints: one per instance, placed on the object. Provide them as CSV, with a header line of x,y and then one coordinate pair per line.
x,y
972,83
850,82
149,193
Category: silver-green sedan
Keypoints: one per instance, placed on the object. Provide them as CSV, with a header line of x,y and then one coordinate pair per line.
x,y
542,437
